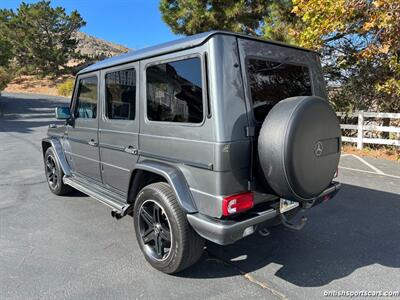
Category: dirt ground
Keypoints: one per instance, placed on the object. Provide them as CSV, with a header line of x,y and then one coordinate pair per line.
x,y
31,84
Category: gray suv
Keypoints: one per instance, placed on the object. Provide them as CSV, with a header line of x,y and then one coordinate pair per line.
x,y
211,137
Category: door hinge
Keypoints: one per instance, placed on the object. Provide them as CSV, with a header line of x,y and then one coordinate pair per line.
x,y
250,131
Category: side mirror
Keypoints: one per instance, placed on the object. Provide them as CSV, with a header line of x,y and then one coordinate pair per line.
x,y
63,113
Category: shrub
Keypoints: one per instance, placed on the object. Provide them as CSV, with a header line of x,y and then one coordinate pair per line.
x,y
65,88
5,78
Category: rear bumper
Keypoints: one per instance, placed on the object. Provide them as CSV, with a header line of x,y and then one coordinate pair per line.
x,y
327,194
225,232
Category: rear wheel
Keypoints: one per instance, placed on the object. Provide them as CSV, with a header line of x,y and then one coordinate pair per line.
x,y
165,237
54,174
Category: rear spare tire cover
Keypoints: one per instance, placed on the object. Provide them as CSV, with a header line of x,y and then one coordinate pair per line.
x,y
299,147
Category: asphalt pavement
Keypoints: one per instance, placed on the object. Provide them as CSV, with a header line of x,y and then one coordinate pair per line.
x,y
70,248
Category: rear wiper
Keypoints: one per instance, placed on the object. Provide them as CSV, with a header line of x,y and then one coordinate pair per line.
x,y
277,66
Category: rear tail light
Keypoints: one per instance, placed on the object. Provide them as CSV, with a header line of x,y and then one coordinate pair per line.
x,y
237,203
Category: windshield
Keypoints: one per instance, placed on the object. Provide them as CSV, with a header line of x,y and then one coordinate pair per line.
x,y
271,82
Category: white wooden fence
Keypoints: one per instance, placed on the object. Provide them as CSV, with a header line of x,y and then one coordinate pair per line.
x,y
361,127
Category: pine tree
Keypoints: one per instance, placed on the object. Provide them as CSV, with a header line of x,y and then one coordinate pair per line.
x,y
41,37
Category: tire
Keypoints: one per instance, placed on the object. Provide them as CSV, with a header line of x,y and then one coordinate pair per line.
x,y
54,174
299,147
156,208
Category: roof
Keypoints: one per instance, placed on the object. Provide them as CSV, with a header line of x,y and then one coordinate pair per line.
x,y
173,46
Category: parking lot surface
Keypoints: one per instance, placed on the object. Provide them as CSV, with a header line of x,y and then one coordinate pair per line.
x,y
70,248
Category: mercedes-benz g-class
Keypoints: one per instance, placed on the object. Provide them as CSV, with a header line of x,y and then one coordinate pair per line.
x,y
211,137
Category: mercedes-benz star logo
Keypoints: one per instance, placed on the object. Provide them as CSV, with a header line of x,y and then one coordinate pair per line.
x,y
318,149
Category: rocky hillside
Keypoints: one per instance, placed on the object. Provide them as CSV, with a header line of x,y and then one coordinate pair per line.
x,y
88,45
92,46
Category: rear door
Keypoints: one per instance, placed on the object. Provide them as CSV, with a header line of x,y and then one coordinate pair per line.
x,y
273,73
276,72
119,126
83,150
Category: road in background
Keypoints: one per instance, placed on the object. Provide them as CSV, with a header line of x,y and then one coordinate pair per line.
x,y
69,247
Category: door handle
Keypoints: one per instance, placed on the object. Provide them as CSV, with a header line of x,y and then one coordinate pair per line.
x,y
92,142
131,150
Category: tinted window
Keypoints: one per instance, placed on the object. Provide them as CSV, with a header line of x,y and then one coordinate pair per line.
x,y
86,102
174,91
121,94
271,82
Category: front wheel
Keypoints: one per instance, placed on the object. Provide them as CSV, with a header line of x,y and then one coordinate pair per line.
x,y
165,237
54,174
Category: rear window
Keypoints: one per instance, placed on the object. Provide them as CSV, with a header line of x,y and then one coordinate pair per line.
x,y
271,82
174,91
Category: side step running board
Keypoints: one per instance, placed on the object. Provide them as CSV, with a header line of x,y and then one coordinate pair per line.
x,y
119,209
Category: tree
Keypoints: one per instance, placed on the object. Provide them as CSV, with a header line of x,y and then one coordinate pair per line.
x,y
5,56
269,18
41,37
5,52
359,39
281,22
361,45
194,16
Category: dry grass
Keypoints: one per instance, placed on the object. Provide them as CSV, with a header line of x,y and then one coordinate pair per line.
x,y
32,84
392,153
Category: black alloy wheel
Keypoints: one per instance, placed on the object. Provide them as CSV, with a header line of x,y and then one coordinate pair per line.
x,y
54,174
167,240
155,230
51,172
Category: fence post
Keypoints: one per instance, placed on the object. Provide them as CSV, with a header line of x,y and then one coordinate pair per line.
x,y
360,132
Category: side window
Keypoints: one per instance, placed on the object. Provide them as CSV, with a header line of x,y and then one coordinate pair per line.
x,y
86,102
121,94
174,91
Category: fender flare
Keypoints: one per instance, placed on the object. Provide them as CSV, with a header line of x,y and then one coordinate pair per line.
x,y
176,179
58,150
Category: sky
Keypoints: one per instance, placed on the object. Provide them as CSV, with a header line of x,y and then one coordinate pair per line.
x,y
133,23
